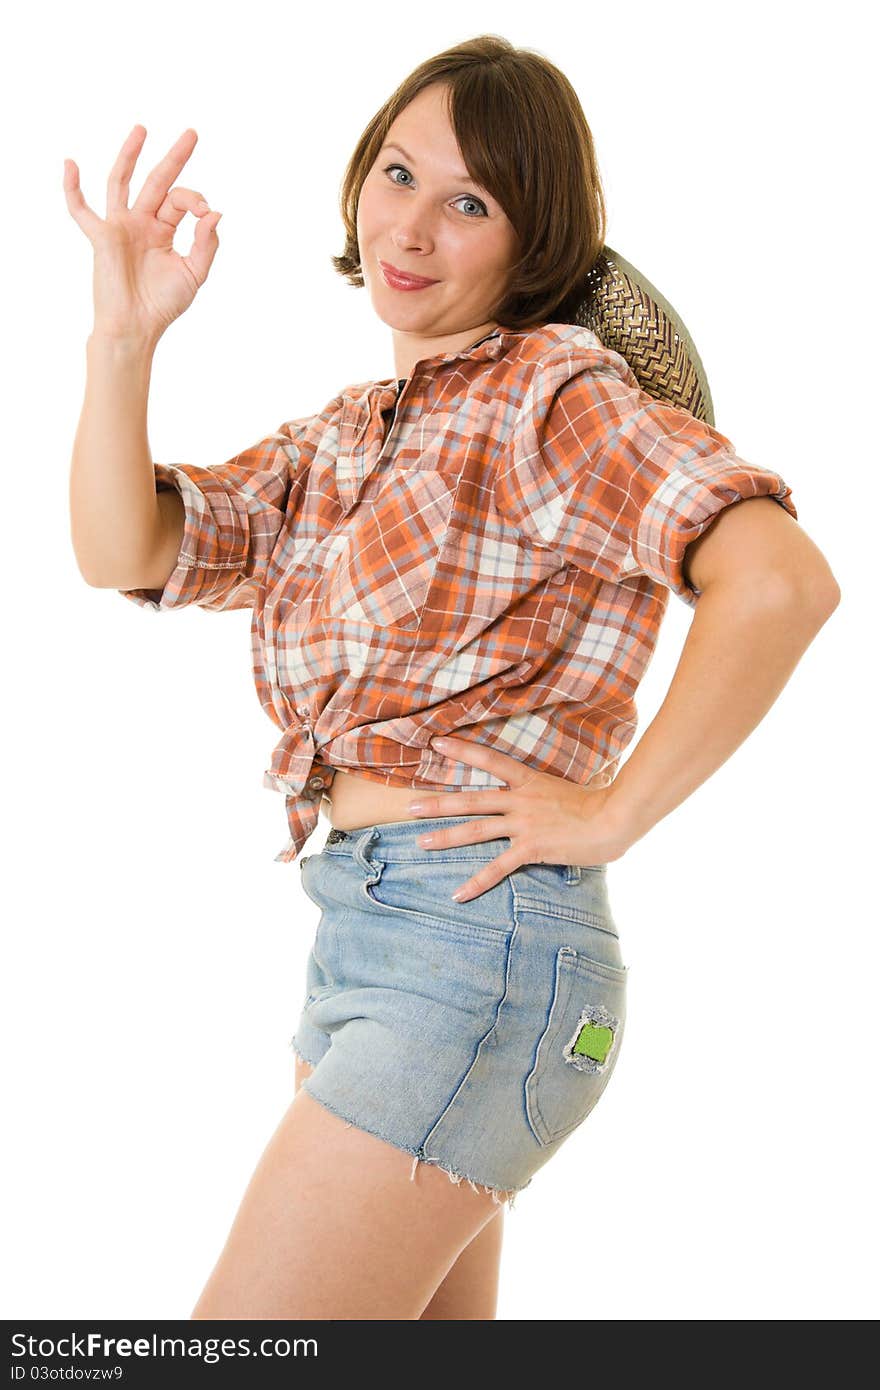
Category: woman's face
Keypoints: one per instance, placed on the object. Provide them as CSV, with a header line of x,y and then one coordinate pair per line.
x,y
421,213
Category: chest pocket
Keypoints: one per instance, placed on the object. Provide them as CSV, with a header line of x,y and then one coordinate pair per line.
x,y
385,572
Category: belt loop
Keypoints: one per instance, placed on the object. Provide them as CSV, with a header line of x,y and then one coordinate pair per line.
x,y
572,873
362,848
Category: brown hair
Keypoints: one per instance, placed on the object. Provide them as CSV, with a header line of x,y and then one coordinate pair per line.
x,y
524,136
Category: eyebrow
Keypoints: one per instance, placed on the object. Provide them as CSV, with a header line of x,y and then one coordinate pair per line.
x,y
461,178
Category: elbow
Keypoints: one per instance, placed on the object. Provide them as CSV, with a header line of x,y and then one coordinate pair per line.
x,y
85,573
823,594
815,586
832,596
817,593
809,596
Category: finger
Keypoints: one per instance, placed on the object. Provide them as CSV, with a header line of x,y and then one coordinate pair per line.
x,y
179,202
120,174
473,832
465,751
79,209
204,246
493,873
160,179
459,804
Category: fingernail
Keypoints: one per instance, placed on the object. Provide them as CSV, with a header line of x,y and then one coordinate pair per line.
x,y
202,205
458,894
415,806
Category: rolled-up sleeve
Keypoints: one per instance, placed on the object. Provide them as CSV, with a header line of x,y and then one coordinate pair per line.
x,y
615,481
233,515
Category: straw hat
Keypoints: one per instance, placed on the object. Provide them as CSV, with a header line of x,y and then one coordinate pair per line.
x,y
631,317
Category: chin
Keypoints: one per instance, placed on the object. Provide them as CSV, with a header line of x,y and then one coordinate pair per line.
x,y
390,320
396,317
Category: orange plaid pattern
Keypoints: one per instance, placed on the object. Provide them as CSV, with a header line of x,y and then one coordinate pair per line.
x,y
494,561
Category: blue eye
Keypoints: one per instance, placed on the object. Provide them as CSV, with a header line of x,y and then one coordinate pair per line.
x,y
468,197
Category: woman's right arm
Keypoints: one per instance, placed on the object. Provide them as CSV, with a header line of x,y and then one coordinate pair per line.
x,y
125,532
125,535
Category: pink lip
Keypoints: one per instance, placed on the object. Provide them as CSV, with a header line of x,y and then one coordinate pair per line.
x,y
400,281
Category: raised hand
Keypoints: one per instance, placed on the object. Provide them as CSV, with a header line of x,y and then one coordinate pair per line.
x,y
141,284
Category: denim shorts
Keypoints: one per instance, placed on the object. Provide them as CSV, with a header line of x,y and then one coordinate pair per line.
x,y
475,1036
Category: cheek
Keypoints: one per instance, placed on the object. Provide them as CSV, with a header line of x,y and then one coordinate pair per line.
x,y
474,258
366,211
494,262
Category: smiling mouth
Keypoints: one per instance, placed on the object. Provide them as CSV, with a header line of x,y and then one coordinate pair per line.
x,y
399,280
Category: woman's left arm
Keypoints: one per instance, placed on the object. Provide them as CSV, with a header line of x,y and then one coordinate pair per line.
x,y
765,591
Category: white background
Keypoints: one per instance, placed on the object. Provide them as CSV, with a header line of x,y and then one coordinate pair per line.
x,y
154,953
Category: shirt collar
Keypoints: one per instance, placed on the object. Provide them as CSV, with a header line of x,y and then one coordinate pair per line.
x,y
359,401
490,347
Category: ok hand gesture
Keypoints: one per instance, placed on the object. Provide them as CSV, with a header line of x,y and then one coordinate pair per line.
x,y
141,284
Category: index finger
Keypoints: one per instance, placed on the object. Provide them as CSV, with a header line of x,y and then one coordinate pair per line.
x,y
120,174
161,178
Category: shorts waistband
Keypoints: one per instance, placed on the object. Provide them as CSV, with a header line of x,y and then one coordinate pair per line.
x,y
398,840
401,836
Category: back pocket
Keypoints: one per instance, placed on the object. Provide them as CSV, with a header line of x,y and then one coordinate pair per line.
x,y
579,1047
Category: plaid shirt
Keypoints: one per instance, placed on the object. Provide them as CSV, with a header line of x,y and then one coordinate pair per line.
x,y
490,554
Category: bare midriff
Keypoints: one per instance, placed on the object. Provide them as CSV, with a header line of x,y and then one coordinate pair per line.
x,y
354,802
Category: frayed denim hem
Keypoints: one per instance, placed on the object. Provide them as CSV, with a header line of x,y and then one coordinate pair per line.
x,y
309,1061
499,1195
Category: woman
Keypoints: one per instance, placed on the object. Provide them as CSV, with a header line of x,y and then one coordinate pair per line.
x,y
485,543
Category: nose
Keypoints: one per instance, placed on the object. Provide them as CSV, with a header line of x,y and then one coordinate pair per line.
x,y
413,242
414,233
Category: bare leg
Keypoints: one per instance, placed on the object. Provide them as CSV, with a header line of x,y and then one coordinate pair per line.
x,y
331,1226
470,1289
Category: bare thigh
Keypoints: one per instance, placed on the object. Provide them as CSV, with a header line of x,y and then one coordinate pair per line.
x,y
469,1292
330,1226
